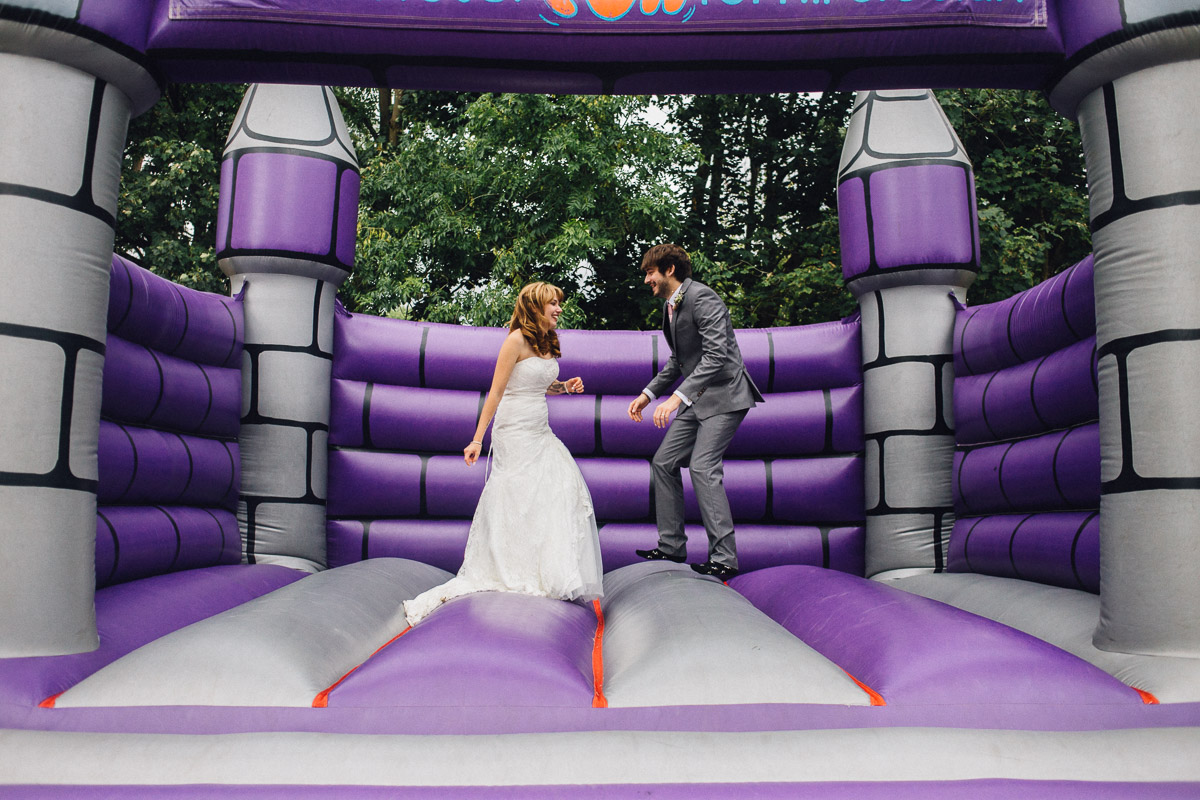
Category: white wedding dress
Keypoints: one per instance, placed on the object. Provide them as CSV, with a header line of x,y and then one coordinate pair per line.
x,y
534,530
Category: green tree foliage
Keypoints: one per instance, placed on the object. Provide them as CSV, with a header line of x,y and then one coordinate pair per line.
x,y
466,197
1031,185
167,211
762,206
471,202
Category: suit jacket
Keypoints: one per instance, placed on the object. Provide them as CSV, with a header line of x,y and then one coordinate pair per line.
x,y
705,352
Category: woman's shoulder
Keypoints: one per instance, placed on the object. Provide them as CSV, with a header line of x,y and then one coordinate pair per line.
x,y
517,345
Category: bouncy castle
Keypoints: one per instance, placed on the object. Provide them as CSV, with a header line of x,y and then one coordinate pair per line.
x,y
969,535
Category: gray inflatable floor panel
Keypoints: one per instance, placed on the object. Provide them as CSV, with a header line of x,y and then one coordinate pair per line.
x,y
673,637
600,758
281,649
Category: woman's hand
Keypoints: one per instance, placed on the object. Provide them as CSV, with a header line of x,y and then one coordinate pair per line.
x,y
574,386
471,453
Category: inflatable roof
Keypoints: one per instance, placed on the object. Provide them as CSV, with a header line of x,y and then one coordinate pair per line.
x,y
593,46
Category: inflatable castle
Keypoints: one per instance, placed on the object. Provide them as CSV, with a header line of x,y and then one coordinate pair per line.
x,y
969,535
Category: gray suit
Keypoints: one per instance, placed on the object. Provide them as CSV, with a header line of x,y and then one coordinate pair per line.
x,y
705,352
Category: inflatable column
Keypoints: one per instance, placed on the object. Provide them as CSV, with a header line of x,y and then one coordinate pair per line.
x,y
64,111
910,244
1136,102
287,222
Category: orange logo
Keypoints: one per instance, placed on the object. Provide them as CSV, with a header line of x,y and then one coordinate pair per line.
x,y
611,10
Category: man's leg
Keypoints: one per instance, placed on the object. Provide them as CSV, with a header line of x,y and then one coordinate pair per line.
x,y
707,469
674,452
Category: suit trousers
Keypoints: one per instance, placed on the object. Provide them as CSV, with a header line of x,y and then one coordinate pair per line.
x,y
699,445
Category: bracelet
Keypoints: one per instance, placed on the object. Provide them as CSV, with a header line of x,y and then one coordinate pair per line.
x,y
475,442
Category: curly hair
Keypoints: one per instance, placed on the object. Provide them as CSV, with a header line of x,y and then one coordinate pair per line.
x,y
527,317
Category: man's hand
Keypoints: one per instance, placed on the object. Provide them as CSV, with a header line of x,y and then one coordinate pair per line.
x,y
635,408
662,414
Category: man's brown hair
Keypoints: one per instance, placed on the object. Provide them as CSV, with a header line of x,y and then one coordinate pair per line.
x,y
662,256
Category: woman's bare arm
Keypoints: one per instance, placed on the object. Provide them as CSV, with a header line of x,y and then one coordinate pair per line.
x,y
510,351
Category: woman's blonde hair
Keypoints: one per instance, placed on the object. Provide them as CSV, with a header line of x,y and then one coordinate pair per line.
x,y
527,317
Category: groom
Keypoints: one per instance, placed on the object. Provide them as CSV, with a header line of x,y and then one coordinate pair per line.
x,y
715,395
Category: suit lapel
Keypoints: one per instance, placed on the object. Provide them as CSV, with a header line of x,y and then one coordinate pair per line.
x,y
678,310
667,327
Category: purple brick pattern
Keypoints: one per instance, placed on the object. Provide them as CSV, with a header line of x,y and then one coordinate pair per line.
x,y
1034,323
404,393
1055,548
1027,467
173,319
169,461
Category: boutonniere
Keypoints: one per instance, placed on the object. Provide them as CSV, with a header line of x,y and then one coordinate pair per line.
x,y
678,301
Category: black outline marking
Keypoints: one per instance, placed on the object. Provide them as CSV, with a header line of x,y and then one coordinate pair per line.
x,y
233,342
221,529
1122,206
421,357
60,475
424,488
178,537
233,474
770,362
191,471
254,501
207,408
1128,33
1012,541
827,396
1075,548
1000,476
133,474
769,478
187,319
867,108
967,542
112,573
961,350
940,542
597,447
116,327
332,138
1128,480
82,201
1054,465
366,416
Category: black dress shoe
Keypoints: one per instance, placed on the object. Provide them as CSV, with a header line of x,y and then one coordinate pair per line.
x,y
659,555
718,571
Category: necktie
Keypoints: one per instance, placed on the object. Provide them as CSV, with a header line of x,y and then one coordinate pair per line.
x,y
670,312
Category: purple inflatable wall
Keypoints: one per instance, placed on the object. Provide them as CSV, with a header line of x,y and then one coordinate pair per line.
x,y
1027,466
406,396
169,461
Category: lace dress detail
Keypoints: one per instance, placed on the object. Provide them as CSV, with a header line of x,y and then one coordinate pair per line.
x,y
534,529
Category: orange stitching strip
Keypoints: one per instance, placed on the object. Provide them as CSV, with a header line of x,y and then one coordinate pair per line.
x,y
876,698
1147,698
322,699
598,698
49,701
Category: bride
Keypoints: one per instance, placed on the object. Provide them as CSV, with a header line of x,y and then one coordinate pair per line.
x,y
534,530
